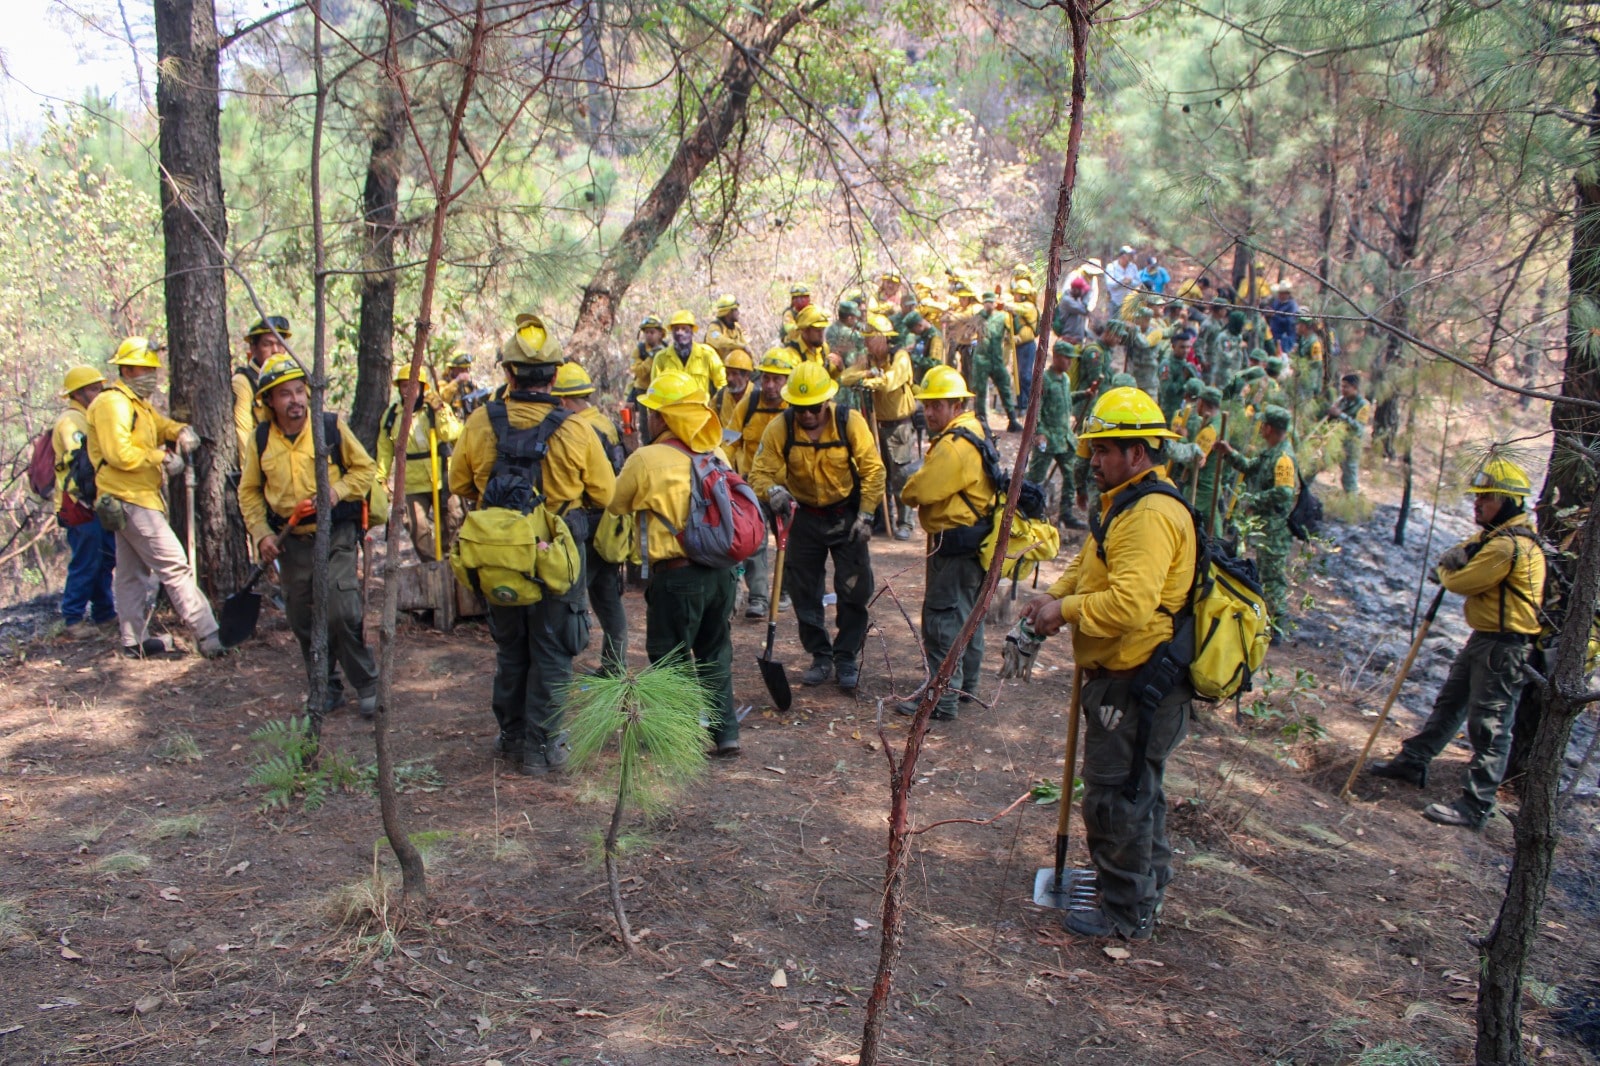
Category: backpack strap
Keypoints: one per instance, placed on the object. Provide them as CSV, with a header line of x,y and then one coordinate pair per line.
x,y
990,457
841,428
524,449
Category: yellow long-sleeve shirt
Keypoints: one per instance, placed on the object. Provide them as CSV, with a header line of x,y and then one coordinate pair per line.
x,y
1120,609
723,338
731,403
247,411
655,483
285,473
891,386
951,475
749,421
703,364
818,472
1501,597
1025,317
419,473
125,445
71,432
575,469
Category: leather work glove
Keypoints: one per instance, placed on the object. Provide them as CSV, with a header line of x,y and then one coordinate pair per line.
x,y
188,440
779,501
1022,648
1454,559
861,528
172,464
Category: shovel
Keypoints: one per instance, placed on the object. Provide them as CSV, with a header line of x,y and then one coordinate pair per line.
x,y
772,674
1394,692
237,623
1056,886
188,517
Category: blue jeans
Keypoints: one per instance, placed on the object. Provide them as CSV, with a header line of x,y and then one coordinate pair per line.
x,y
1026,350
94,557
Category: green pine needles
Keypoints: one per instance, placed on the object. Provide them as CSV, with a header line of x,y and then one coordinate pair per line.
x,y
655,718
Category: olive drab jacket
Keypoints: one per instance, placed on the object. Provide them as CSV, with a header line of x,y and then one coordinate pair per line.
x,y
1503,579
951,489
926,350
1121,607
125,445
1055,413
1271,483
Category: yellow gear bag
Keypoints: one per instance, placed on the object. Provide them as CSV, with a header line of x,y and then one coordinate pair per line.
x,y
1033,541
1230,631
616,539
513,559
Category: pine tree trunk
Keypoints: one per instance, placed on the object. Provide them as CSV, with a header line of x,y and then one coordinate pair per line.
x,y
194,228
380,202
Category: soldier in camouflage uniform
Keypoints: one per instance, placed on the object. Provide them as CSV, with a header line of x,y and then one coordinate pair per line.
x,y
989,364
924,343
1230,352
1056,444
1271,485
1088,371
1354,411
1308,358
1176,373
1141,358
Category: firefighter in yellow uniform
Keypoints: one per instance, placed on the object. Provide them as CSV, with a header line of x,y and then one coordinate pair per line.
x,y
126,447
724,334
434,429
263,341
743,431
1025,320
799,300
738,368
1501,572
573,388
688,356
652,338
86,598
953,498
807,343
534,645
817,461
686,605
1119,595
277,496
886,373
458,384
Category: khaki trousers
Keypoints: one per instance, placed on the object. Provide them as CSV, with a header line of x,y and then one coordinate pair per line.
x,y
148,552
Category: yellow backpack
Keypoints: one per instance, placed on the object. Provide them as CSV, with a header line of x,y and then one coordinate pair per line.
x,y
616,539
1033,541
513,559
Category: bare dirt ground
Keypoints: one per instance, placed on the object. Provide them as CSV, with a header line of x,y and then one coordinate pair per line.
x,y
152,913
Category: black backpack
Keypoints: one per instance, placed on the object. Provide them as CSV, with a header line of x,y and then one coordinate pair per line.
x,y
1030,501
516,481
392,415
1306,517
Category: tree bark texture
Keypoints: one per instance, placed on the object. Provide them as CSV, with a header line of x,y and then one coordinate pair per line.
x,y
725,103
1504,953
194,229
380,203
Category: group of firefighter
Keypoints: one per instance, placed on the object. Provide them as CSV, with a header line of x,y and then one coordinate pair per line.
x,y
868,422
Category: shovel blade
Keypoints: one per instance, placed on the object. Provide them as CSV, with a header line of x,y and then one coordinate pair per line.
x,y
1076,888
777,683
237,623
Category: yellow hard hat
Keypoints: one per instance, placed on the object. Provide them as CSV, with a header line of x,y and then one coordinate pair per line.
x,y
726,302
1502,476
942,383
963,289
78,377
799,289
890,276
878,326
1125,412
460,358
681,318
650,322
778,361
268,326
1022,270
531,344
279,369
1021,287
809,316
572,380
809,385
739,359
402,374
135,351
672,387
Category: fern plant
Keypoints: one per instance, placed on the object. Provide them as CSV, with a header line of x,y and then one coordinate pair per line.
x,y
654,719
295,766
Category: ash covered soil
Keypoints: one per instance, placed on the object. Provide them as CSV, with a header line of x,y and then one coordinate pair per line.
x,y
153,913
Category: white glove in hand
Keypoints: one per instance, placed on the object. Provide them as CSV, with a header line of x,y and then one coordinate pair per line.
x,y
861,529
188,440
1454,559
779,501
1022,648
172,464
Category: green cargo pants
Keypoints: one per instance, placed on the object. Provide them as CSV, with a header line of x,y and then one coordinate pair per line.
x,y
1481,690
949,598
1350,462
1127,838
347,643
686,610
1272,565
534,647
984,370
605,599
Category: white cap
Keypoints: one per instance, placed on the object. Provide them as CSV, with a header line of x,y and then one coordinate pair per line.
x,y
1127,249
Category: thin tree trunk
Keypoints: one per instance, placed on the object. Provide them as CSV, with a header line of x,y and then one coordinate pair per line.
x,y
1504,953
194,228
380,201
903,772
725,104
322,540
613,880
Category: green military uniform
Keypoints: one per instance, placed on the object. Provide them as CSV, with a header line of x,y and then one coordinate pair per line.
x,y
1200,436
1088,372
926,348
1355,412
1143,359
1230,349
1176,373
989,364
1308,365
1060,445
1271,484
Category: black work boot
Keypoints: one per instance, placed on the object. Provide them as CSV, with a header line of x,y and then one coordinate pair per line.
x,y
849,673
550,757
1399,769
821,670
1454,814
1012,425
508,747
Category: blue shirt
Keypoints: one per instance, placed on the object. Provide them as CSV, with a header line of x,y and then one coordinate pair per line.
x,y
1155,280
1281,317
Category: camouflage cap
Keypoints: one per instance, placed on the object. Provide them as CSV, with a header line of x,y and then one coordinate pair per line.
x,y
1275,416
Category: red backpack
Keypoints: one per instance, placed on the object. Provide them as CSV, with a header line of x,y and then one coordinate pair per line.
x,y
725,524
42,466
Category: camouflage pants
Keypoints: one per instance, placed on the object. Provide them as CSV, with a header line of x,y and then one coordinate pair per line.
x,y
1350,463
1039,472
984,370
1480,690
1088,491
1272,564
